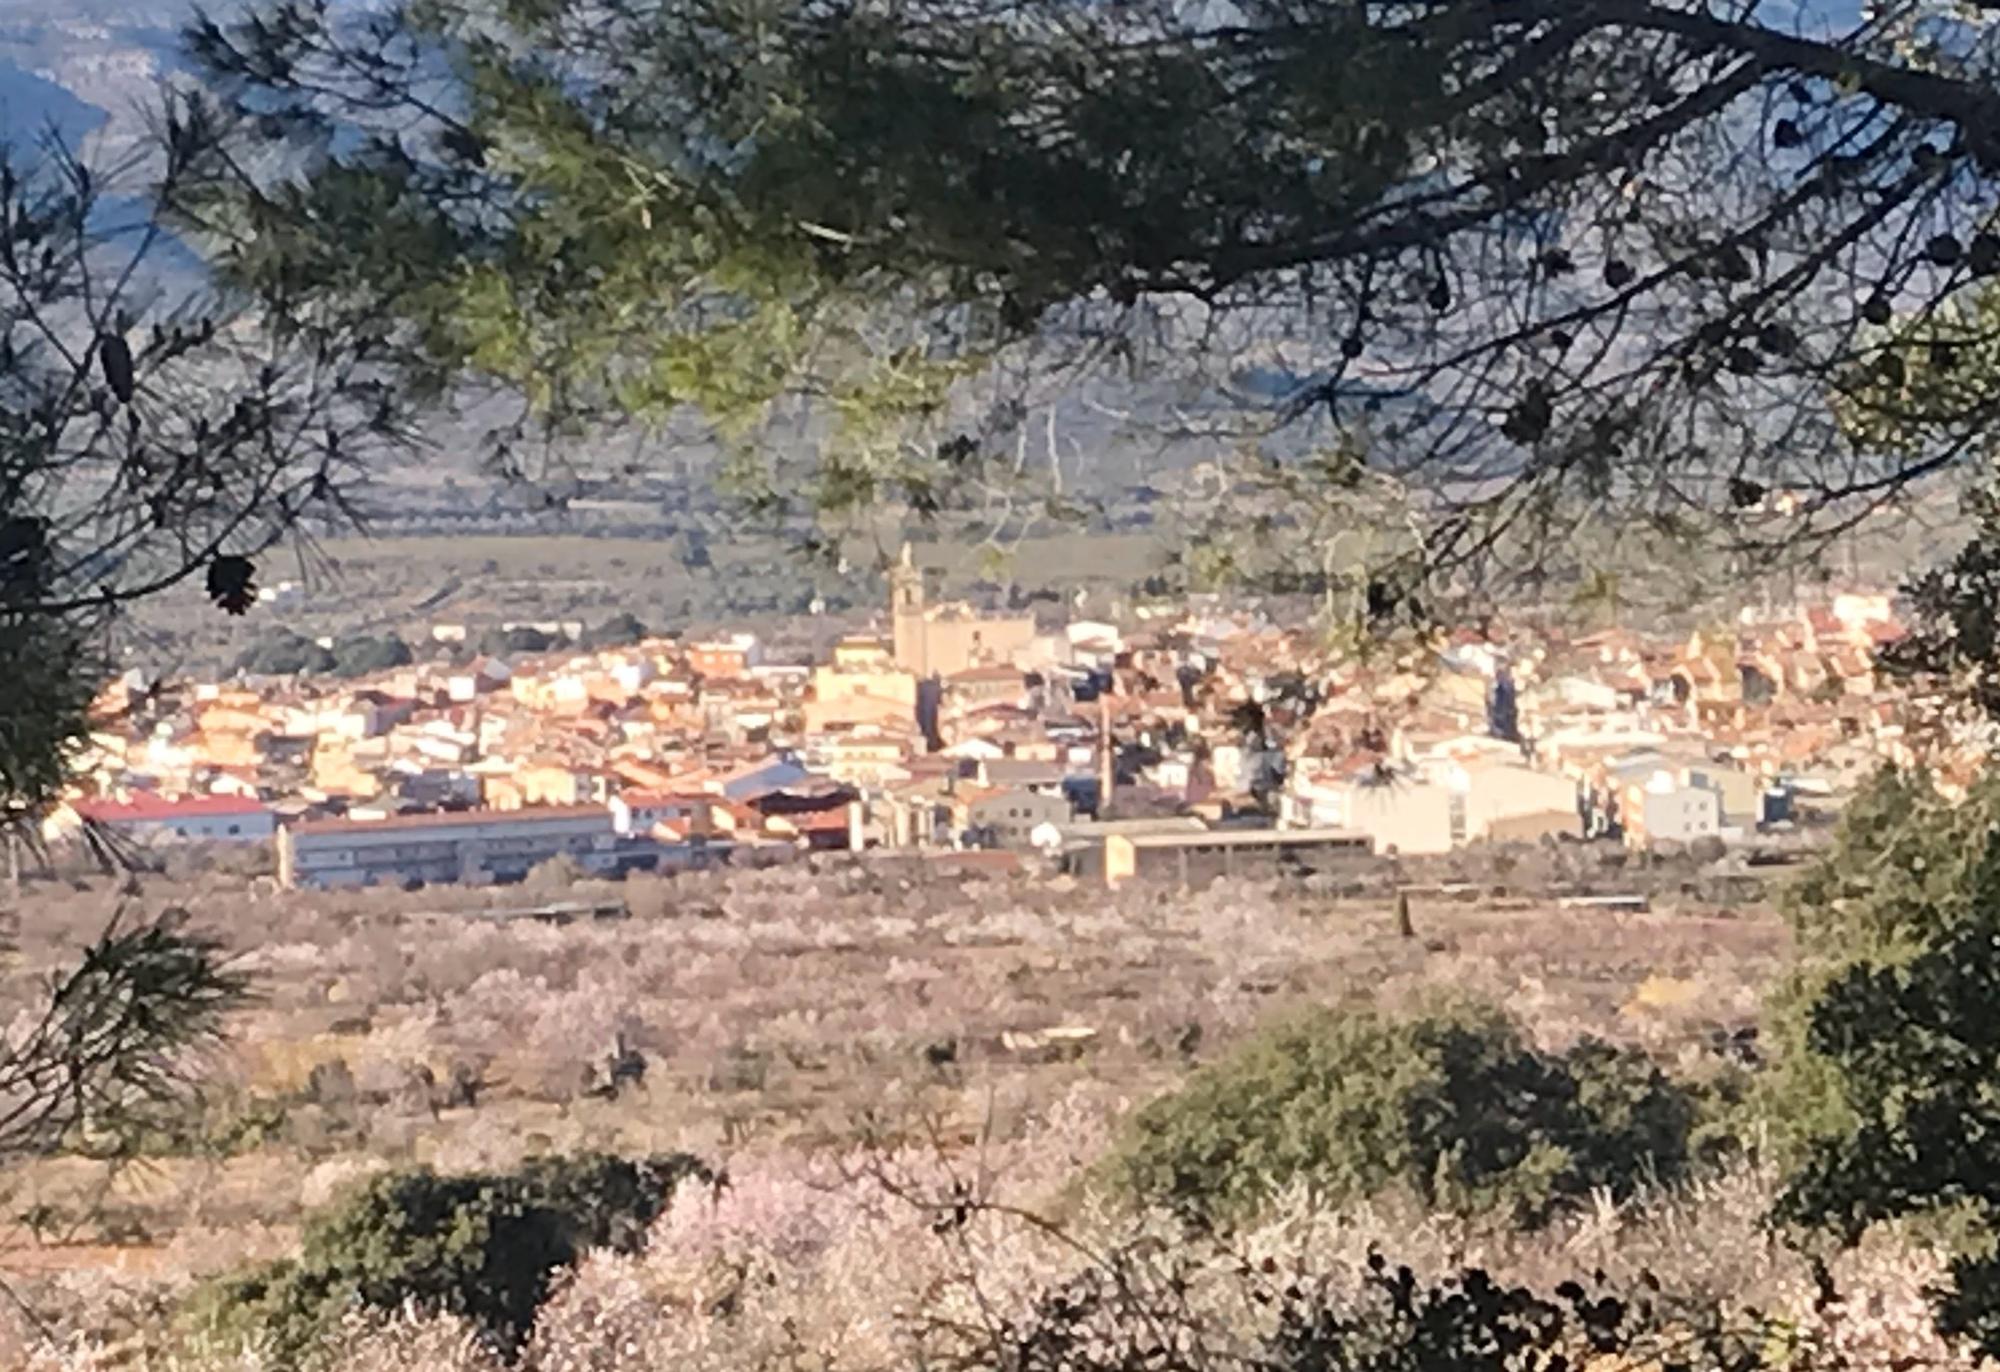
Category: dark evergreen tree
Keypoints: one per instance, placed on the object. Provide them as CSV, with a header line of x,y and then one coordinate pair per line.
x,y
1888,1036
1503,711
153,431
620,630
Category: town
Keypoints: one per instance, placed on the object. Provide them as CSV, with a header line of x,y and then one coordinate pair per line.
x,y
1192,741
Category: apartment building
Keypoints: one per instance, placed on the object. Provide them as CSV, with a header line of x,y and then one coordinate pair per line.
x,y
143,815
475,847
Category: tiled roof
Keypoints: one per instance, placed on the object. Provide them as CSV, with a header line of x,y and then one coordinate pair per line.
x,y
144,807
640,800
436,819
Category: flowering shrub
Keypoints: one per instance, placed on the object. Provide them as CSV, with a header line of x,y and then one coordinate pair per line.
x,y
988,1259
773,1008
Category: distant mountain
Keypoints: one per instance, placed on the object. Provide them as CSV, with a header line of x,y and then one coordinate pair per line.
x,y
90,73
31,105
85,66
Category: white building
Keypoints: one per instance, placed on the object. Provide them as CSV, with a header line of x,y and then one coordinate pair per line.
x,y
142,815
1399,814
1504,801
637,811
1010,817
1856,610
474,847
1664,809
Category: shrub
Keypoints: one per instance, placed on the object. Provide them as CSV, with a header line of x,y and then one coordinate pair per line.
x,y
520,639
1451,1104
618,631
553,876
1102,1320
482,1247
1888,1046
285,653
362,656
223,1124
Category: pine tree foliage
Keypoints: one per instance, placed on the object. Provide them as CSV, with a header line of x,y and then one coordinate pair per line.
x,y
114,1041
1951,655
1551,264
151,431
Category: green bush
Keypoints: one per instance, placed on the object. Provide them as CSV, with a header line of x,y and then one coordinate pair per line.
x,y
483,1246
220,1125
1451,1104
620,630
497,642
363,656
285,654
1883,1101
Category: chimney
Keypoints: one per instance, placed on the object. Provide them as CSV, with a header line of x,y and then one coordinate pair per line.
x,y
1107,773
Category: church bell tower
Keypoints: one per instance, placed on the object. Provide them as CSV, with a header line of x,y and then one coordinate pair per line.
x,y
906,613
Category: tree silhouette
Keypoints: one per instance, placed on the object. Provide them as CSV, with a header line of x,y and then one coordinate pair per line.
x,y
1503,708
152,429
114,1038
1540,268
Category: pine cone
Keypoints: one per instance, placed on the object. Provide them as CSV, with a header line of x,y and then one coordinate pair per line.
x,y
116,359
232,584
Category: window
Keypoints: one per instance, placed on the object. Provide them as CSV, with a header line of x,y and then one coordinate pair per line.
x,y
235,829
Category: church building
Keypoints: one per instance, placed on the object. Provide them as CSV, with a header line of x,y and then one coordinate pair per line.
x,y
947,639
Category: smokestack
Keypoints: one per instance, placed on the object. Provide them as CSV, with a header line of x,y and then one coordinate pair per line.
x,y
1107,774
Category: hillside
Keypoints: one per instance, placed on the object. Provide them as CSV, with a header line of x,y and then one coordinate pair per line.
x,y
783,1016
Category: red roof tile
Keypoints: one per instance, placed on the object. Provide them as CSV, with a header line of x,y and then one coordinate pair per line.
x,y
145,807
434,819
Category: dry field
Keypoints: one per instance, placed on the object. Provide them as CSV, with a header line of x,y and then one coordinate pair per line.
x,y
780,1014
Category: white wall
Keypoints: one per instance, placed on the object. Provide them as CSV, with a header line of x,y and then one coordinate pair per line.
x,y
247,828
1409,816
1508,792
1682,814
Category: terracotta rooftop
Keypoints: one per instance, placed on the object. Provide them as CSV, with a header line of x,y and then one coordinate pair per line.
x,y
445,819
640,799
144,807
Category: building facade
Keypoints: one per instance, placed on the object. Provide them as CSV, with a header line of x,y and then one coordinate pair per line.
x,y
1670,813
199,819
1505,802
1009,816
472,848
1193,859
934,641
